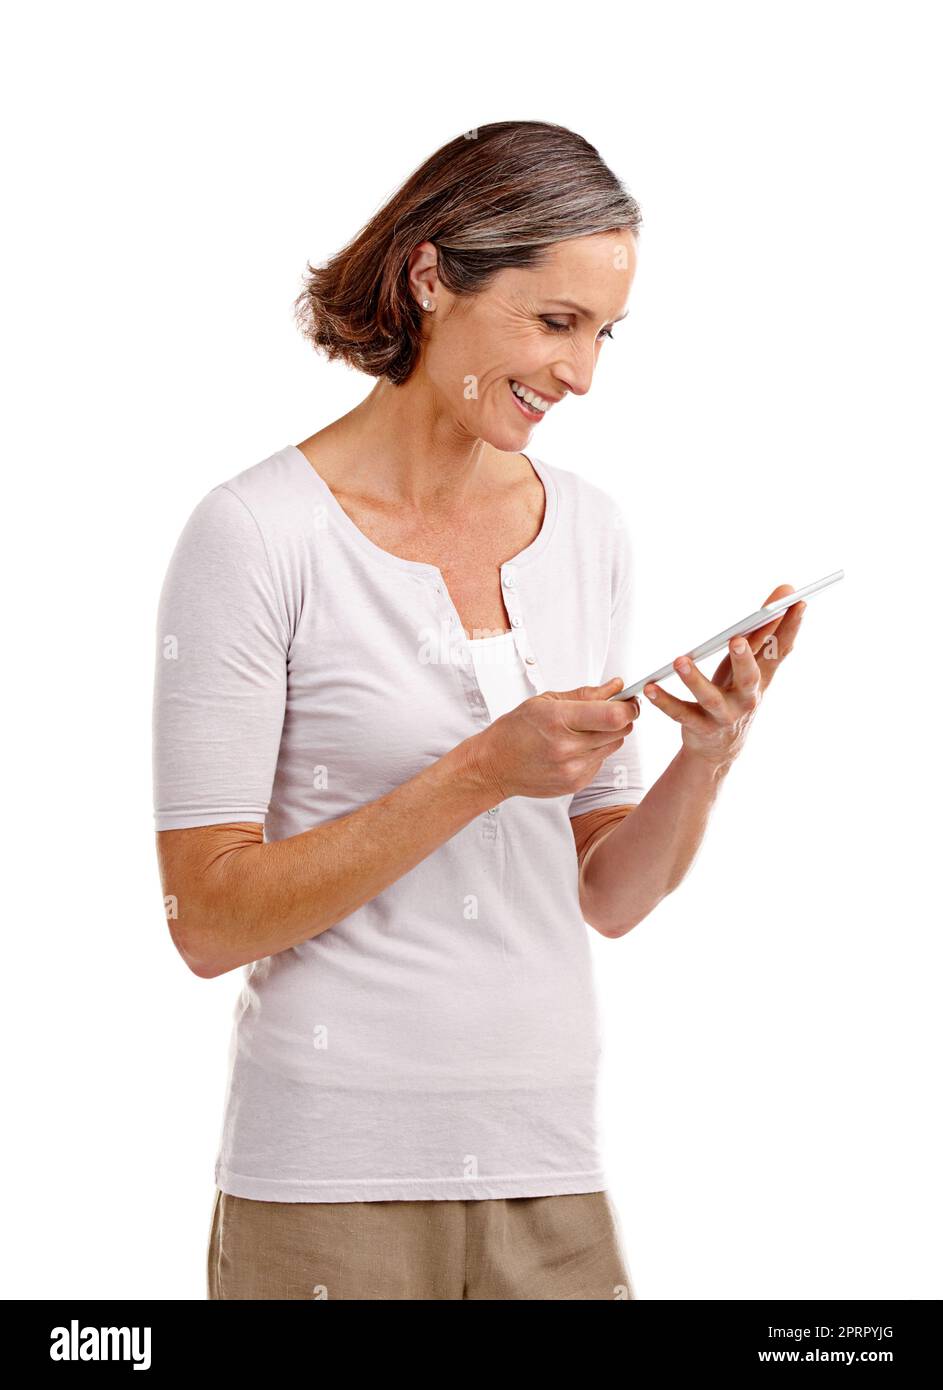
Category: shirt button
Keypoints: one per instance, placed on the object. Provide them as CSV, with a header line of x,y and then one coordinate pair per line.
x,y
509,580
493,811
531,660
515,621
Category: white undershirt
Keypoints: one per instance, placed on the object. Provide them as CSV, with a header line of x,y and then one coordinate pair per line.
x,y
500,671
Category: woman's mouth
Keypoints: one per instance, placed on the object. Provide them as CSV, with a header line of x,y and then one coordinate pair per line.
x,y
531,405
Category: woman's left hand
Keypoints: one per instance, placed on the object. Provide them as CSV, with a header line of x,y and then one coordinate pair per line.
x,y
716,724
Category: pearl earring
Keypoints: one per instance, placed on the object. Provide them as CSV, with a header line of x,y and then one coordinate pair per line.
x,y
426,304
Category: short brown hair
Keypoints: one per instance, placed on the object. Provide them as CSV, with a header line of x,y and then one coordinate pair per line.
x,y
489,199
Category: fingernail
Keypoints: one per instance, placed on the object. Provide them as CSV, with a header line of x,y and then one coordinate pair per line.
x,y
684,665
739,645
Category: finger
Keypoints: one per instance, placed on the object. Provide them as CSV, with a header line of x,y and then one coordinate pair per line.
x,y
778,645
759,635
754,641
589,692
681,711
603,750
612,688
721,676
781,591
712,700
615,715
746,673
601,716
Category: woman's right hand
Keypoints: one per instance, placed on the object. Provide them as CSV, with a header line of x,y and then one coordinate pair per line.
x,y
553,744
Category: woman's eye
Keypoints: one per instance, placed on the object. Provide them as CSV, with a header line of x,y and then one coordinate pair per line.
x,y
557,327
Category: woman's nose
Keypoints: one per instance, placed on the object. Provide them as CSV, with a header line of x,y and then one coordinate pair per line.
x,y
576,373
577,379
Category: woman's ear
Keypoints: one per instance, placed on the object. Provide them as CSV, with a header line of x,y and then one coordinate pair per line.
x,y
422,274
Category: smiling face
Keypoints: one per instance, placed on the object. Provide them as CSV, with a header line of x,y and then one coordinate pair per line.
x,y
533,332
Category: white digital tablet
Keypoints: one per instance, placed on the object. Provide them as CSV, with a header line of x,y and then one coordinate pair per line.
x,y
715,644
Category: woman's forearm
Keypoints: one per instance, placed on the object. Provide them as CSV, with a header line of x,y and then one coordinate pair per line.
x,y
644,858
260,898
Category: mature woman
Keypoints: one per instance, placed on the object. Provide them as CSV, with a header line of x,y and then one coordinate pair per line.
x,y
383,783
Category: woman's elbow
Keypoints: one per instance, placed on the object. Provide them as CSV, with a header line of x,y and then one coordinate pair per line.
x,y
196,935
613,932
199,964
194,865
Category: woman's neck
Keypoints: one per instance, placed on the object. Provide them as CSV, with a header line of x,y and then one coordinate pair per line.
x,y
399,447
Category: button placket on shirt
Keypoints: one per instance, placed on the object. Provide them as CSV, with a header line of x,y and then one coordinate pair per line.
x,y
461,658
512,602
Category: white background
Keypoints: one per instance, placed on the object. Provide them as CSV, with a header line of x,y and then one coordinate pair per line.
x,y
768,413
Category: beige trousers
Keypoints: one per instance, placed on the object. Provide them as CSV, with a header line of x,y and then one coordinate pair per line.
x,y
566,1247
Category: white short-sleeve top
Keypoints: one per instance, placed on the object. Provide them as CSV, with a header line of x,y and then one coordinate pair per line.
x,y
442,1040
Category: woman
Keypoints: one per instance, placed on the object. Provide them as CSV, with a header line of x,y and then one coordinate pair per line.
x,y
383,784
